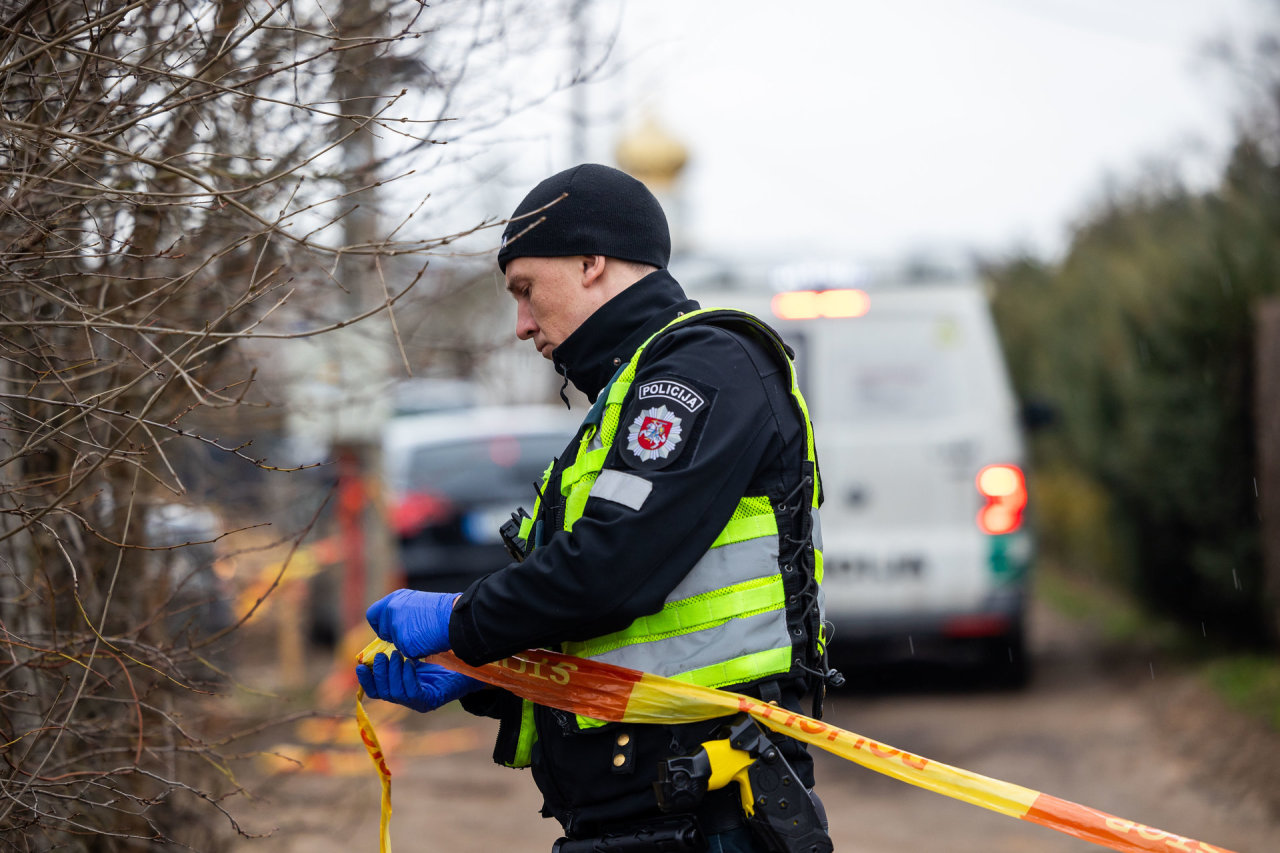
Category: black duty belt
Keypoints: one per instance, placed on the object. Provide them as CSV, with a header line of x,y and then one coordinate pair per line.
x,y
718,812
672,834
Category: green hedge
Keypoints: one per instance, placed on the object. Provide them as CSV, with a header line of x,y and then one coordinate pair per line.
x,y
1142,338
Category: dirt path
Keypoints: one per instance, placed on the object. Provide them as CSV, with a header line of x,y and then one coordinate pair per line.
x,y
1105,731
1115,733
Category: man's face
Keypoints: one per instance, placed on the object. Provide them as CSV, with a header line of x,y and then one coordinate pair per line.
x,y
551,299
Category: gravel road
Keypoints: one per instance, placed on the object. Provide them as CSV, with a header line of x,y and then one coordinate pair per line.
x,y
1110,730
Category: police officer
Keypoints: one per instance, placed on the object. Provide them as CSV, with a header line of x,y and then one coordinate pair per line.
x,y
676,534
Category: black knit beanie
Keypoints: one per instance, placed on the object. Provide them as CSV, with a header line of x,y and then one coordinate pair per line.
x,y
600,211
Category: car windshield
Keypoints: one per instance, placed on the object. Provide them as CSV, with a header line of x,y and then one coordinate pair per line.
x,y
482,468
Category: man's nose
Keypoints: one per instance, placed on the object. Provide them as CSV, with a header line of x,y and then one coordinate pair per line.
x,y
526,328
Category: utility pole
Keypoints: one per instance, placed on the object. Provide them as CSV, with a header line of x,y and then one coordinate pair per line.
x,y
579,30
360,353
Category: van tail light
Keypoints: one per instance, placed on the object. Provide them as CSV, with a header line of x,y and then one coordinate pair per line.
x,y
417,510
1005,490
979,625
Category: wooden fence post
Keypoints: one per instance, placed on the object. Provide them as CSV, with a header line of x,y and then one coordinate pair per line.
x,y
1267,433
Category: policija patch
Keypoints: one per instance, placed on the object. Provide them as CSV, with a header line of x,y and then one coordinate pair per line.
x,y
672,390
662,421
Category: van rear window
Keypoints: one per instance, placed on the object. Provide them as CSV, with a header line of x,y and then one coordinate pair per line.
x,y
895,369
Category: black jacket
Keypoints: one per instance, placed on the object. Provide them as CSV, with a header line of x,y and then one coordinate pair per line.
x,y
743,438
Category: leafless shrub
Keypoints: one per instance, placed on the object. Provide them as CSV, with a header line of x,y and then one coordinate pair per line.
x,y
178,177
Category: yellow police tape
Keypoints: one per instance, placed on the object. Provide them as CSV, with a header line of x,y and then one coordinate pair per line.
x,y
370,739
616,694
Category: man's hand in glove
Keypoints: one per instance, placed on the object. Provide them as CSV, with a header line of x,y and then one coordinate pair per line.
x,y
415,684
416,623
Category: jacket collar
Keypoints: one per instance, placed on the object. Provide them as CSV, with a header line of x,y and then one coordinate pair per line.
x,y
608,338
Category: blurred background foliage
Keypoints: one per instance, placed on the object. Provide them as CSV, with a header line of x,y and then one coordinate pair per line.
x,y
1141,343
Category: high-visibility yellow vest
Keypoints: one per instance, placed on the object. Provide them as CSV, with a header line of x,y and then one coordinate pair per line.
x,y
727,621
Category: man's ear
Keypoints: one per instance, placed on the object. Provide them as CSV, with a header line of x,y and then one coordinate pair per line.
x,y
593,267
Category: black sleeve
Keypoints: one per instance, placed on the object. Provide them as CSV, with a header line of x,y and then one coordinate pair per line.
x,y
700,395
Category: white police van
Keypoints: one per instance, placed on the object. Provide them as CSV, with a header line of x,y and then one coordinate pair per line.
x,y
926,547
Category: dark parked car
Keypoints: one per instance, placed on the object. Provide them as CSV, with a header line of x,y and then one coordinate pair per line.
x,y
455,478
196,601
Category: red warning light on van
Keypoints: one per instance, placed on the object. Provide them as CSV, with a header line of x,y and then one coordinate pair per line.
x,y
1005,489
812,304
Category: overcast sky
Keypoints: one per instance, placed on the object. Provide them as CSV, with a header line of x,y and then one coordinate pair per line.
x,y
871,129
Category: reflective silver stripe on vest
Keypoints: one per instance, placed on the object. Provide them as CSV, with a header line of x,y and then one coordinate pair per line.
x,y
727,565
620,487
686,652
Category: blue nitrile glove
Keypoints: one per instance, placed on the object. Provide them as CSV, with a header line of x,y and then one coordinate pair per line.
x,y
416,623
413,683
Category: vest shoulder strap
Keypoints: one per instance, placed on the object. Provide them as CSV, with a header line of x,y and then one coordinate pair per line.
x,y
735,320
